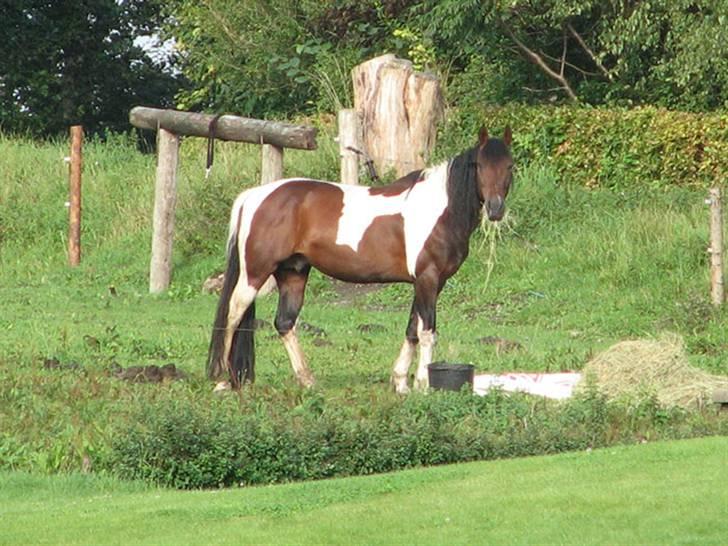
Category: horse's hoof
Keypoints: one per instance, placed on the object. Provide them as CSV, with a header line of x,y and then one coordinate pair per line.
x,y
399,386
402,389
222,386
422,384
306,381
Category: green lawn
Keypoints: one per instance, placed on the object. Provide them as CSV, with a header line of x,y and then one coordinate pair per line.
x,y
663,493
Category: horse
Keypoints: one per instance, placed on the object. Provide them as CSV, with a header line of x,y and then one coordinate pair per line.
x,y
415,230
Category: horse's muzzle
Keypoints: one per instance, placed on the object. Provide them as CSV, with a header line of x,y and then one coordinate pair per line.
x,y
495,208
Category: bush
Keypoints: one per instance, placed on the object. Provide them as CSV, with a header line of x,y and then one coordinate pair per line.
x,y
186,444
600,147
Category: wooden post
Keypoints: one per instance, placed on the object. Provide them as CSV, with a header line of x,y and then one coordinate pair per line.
x,y
165,198
399,111
348,139
272,163
74,216
716,248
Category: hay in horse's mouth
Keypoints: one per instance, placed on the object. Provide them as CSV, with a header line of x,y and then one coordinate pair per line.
x,y
491,233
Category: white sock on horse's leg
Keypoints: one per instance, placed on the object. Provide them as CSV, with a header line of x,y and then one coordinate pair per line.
x,y
268,286
298,361
401,367
428,339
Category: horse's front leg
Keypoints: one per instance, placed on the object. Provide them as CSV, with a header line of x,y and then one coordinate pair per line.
x,y
402,364
427,288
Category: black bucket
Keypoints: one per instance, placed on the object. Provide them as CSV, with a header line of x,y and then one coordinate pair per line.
x,y
450,377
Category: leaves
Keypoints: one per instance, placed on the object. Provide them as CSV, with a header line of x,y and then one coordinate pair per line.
x,y
67,63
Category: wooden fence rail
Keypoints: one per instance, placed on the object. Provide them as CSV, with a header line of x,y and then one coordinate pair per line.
x,y
235,128
170,125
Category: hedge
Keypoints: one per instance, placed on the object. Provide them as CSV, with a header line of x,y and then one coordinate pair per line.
x,y
192,444
606,147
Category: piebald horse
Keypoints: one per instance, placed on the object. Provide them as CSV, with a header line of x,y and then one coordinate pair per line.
x,y
416,230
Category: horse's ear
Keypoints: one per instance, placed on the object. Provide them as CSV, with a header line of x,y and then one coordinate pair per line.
x,y
507,137
482,136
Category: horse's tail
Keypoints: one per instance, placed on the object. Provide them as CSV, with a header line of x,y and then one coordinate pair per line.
x,y
242,350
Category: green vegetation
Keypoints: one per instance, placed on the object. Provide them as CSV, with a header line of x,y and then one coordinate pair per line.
x,y
623,149
272,58
280,59
178,442
666,493
79,63
575,271
605,240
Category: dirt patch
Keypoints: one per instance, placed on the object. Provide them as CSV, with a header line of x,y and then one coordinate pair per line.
x,y
502,345
147,374
348,293
371,328
55,364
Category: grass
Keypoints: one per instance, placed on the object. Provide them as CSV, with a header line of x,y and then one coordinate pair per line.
x,y
666,493
576,270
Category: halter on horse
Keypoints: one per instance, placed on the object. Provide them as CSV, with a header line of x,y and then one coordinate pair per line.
x,y
416,230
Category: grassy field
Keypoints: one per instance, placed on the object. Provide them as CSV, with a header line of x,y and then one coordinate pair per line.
x,y
575,270
667,493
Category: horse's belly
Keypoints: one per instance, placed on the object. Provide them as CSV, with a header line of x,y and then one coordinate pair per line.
x,y
374,260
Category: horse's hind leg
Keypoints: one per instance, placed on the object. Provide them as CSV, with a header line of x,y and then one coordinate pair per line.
x,y
291,277
241,299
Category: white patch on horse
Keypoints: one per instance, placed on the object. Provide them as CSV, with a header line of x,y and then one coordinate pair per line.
x,y
420,206
423,207
360,210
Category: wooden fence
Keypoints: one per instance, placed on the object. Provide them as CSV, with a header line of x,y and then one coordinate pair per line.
x,y
170,125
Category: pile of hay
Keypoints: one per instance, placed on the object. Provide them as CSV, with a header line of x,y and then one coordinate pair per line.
x,y
653,367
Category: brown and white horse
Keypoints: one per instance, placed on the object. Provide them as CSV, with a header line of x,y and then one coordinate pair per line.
x,y
416,230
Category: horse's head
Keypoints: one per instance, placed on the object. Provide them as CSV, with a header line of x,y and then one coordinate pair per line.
x,y
494,172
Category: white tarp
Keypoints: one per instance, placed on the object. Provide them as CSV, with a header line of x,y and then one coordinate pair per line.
x,y
549,385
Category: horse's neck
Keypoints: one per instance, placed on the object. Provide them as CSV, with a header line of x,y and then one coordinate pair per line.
x,y
462,221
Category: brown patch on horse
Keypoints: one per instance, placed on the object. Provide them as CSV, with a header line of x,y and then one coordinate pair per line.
x,y
399,186
302,217
286,219
382,251
379,256
441,250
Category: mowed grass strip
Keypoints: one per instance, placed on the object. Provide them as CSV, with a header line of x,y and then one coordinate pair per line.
x,y
662,493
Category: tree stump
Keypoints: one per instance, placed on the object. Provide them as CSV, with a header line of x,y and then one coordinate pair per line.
x,y
399,109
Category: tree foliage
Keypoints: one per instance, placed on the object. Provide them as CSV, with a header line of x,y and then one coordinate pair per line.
x,y
278,57
671,53
65,62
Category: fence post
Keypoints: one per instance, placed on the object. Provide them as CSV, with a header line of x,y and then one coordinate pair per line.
x,y
272,163
716,248
165,198
74,189
349,138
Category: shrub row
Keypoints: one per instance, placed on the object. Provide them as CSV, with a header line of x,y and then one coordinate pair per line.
x,y
606,147
185,444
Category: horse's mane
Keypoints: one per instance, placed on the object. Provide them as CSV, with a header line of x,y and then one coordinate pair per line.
x,y
464,203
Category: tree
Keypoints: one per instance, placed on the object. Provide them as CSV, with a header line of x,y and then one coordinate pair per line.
x,y
668,52
65,62
272,58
